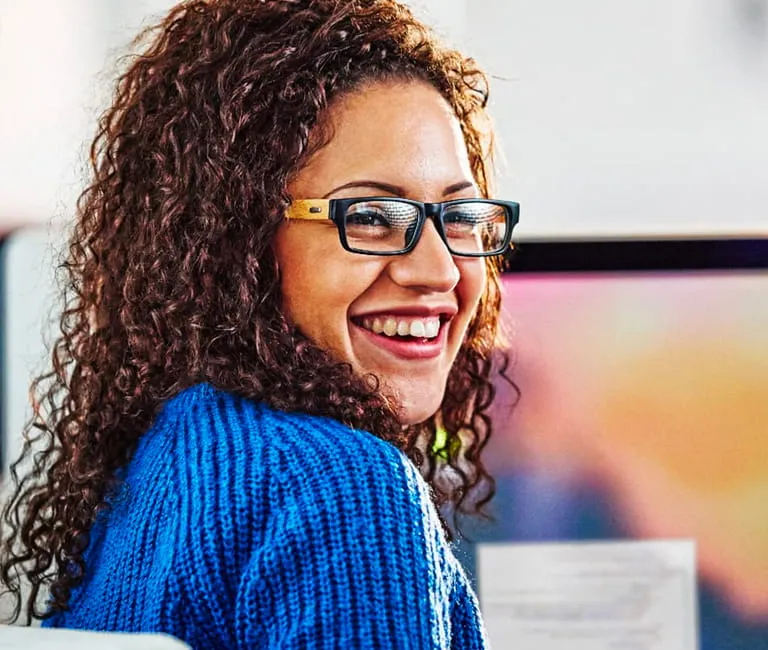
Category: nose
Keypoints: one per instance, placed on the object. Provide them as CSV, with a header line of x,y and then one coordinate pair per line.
x,y
429,267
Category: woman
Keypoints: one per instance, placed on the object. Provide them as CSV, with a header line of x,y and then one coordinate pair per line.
x,y
260,274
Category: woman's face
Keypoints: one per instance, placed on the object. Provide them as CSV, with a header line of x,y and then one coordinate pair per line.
x,y
388,140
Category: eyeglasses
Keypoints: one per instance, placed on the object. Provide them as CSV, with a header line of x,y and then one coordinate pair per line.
x,y
392,226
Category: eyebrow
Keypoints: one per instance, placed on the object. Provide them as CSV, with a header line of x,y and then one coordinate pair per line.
x,y
396,189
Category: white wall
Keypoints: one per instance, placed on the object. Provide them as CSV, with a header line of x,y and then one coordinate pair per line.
x,y
49,52
56,60
616,118
622,118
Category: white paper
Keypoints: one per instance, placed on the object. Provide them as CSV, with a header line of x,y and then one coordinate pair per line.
x,y
36,638
627,595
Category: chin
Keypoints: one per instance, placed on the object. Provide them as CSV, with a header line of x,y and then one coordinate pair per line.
x,y
410,412
408,420
416,398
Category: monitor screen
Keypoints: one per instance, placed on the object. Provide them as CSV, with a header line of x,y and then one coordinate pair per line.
x,y
643,414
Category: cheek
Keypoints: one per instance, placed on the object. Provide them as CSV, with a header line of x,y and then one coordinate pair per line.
x,y
319,282
473,282
313,299
319,300
301,281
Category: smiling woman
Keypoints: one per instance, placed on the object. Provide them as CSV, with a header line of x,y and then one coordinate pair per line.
x,y
270,397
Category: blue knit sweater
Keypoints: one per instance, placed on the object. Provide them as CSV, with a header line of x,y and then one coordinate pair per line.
x,y
238,526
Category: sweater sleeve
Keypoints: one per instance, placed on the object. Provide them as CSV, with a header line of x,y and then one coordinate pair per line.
x,y
344,548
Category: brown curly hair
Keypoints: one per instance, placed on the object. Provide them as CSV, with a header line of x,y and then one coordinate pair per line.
x,y
171,277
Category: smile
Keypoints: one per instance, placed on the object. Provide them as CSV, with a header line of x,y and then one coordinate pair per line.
x,y
406,337
420,328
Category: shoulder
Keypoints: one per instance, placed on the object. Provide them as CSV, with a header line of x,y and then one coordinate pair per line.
x,y
222,427
289,523
224,448
243,466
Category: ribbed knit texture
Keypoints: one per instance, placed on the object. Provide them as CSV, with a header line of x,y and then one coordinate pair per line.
x,y
238,526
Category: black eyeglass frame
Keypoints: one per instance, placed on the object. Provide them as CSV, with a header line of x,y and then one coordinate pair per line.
x,y
336,210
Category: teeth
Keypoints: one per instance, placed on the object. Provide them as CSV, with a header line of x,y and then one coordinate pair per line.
x,y
390,326
426,328
417,329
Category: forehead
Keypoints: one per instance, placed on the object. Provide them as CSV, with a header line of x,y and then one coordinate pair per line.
x,y
404,134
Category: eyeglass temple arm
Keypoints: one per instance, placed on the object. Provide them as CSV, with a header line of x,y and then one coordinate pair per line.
x,y
309,209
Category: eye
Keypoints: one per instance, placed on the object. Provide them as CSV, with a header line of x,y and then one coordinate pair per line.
x,y
475,227
468,216
380,225
460,223
365,214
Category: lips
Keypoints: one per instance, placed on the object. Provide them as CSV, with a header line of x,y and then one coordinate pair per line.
x,y
406,334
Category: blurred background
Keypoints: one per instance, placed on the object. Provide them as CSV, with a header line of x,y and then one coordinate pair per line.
x,y
643,364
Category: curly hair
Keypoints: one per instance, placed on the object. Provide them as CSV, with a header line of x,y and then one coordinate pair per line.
x,y
170,274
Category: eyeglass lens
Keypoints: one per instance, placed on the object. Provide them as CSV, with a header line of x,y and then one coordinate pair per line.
x,y
387,226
